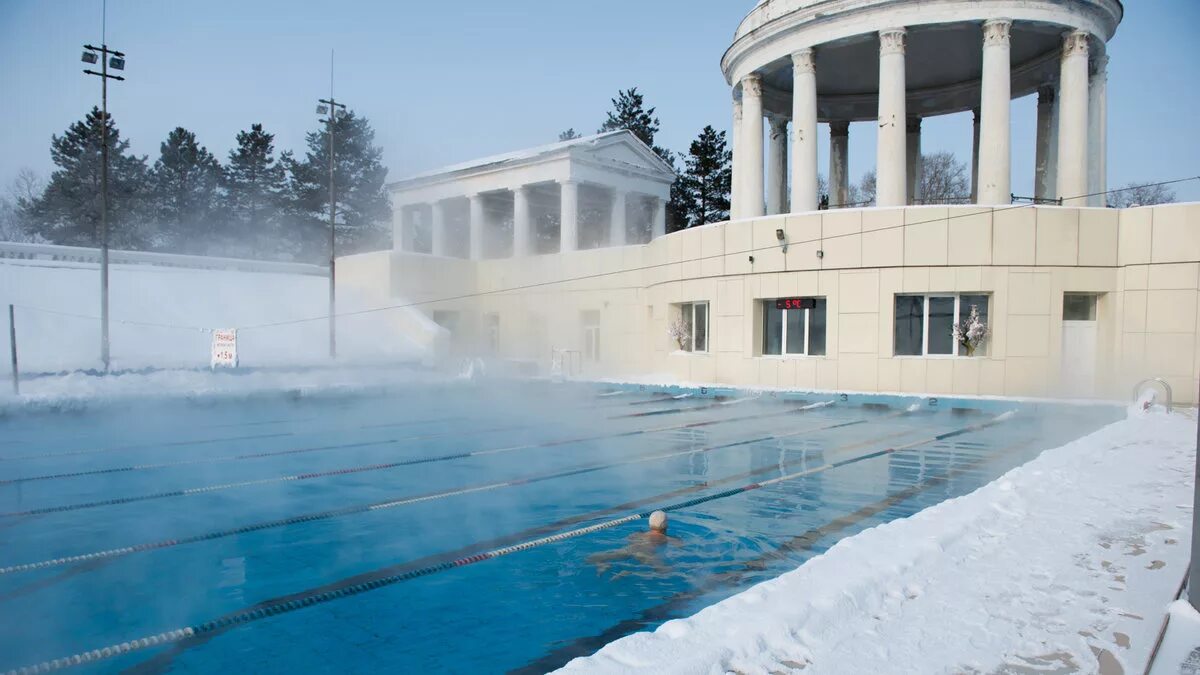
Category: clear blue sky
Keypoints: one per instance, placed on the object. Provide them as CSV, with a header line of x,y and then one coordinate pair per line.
x,y
448,81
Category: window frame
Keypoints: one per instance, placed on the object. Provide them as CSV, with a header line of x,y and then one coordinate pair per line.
x,y
769,304
690,309
957,353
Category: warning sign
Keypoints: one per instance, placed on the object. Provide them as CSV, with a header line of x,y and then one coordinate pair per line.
x,y
224,348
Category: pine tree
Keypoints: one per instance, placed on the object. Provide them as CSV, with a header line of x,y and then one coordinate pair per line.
x,y
630,112
568,135
362,203
184,183
706,183
254,189
68,210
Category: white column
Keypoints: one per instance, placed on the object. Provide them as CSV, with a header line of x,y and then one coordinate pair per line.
x,y
437,226
890,157
752,142
476,226
658,226
839,163
912,164
1052,155
975,155
804,132
522,225
995,143
398,227
1098,133
777,165
1073,119
616,230
568,217
1043,179
735,188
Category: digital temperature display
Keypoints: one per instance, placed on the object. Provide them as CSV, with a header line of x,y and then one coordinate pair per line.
x,y
795,303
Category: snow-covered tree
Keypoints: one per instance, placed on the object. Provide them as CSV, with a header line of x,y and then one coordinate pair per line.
x,y
679,331
970,332
183,197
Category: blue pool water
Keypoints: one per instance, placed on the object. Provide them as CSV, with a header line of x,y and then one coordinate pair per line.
x,y
343,515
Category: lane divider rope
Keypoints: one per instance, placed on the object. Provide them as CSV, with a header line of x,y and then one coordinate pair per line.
x,y
300,601
185,492
403,501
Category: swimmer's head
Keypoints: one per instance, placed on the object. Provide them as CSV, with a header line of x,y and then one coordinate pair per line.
x,y
658,521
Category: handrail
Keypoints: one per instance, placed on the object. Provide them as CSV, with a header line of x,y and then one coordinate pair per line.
x,y
1137,389
16,251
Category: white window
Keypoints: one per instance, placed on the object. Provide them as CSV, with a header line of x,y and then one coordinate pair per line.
x,y
693,317
924,324
591,334
793,327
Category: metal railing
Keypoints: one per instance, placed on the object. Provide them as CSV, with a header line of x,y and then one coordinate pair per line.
x,y
79,254
1036,201
1137,389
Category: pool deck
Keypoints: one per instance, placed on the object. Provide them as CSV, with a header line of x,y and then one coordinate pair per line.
x,y
1066,564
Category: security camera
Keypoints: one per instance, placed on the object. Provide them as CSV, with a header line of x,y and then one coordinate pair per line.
x,y
751,260
779,234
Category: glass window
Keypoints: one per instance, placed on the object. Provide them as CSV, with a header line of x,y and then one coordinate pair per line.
x,y
909,325
1079,307
591,334
799,332
694,316
924,325
700,339
941,325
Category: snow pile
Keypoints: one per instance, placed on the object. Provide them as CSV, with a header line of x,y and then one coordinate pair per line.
x,y
51,297
1180,651
1064,564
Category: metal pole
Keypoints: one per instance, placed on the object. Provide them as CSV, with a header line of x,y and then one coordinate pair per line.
x,y
332,221
12,347
1194,571
104,354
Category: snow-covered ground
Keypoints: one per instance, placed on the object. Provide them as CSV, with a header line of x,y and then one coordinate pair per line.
x,y
1063,565
56,303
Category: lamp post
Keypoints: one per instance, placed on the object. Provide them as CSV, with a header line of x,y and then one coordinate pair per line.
x,y
108,58
332,109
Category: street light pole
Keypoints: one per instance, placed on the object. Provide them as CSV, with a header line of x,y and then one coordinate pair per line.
x,y
116,59
331,106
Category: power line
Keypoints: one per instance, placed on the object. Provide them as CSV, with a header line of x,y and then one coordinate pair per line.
x,y
598,275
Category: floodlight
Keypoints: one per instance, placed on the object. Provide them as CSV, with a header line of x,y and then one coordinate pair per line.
x,y
88,57
322,109
779,234
116,63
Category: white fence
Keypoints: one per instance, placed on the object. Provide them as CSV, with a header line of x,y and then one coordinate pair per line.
x,y
115,257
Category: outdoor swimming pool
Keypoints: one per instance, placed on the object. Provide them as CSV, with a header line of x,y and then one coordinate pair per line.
x,y
417,528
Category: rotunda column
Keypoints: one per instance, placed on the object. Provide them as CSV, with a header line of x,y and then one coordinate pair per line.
x,y
1043,179
437,225
890,156
522,225
1073,120
913,160
476,226
616,230
752,139
658,226
735,188
995,153
1098,133
777,162
568,217
839,163
804,132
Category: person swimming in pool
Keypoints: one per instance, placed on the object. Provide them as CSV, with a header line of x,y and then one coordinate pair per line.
x,y
641,547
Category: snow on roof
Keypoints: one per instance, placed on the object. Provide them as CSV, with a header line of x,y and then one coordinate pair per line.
x,y
526,154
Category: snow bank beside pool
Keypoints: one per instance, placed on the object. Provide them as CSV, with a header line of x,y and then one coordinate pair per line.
x,y
1065,564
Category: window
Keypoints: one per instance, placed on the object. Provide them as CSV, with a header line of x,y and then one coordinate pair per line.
x,y
693,318
794,332
1079,307
446,319
491,327
924,324
591,334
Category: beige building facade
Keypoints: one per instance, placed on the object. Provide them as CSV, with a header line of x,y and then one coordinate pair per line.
x,y
1080,302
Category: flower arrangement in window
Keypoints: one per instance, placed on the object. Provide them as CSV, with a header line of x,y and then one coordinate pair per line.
x,y
679,331
971,332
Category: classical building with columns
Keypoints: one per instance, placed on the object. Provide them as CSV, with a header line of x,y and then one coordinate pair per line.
x,y
1079,300
603,190
795,64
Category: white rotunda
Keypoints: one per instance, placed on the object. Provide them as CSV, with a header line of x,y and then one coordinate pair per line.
x,y
801,62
